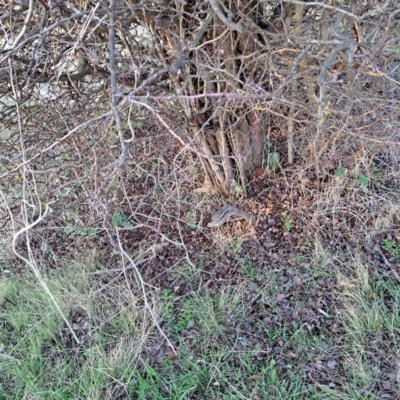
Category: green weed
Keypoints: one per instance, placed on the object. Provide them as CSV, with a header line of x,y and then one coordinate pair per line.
x,y
119,220
78,232
185,319
391,247
339,172
191,219
363,182
167,306
287,222
273,160
234,244
249,270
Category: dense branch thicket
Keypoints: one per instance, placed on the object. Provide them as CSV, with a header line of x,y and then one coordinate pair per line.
x,y
79,79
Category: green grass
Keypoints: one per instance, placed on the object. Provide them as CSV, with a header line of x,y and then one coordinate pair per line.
x,y
39,359
369,344
212,330
211,367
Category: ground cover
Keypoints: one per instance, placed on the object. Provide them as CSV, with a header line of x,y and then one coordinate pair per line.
x,y
304,304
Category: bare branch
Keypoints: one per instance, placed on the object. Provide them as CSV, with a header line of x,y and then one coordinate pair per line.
x,y
23,30
115,91
226,20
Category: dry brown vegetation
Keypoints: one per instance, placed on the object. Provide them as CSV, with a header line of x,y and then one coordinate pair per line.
x,y
126,125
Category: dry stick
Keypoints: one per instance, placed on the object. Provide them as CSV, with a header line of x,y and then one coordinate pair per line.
x,y
378,73
176,66
142,284
237,147
33,266
224,96
215,6
79,178
359,135
224,150
114,107
297,30
207,153
23,30
211,161
395,273
114,94
383,41
120,270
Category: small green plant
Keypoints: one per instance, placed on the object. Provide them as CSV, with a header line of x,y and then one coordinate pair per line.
x,y
163,186
154,165
362,181
120,220
273,160
235,189
339,172
235,245
64,192
167,306
249,268
48,249
173,105
78,232
287,222
185,318
191,219
391,247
